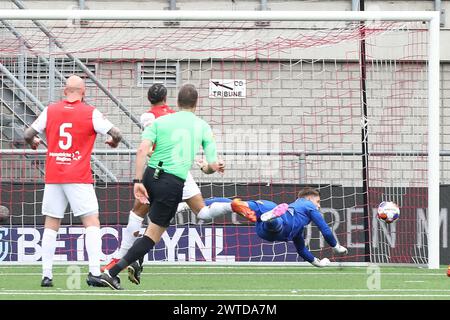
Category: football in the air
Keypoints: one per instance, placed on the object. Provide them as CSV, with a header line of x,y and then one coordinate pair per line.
x,y
388,211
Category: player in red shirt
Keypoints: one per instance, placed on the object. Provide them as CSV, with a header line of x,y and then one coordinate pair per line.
x,y
157,95
71,127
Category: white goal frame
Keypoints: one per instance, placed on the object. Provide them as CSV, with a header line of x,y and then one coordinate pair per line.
x,y
433,17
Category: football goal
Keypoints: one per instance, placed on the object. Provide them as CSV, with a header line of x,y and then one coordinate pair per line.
x,y
347,102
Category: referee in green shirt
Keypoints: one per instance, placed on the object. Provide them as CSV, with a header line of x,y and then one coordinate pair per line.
x,y
177,138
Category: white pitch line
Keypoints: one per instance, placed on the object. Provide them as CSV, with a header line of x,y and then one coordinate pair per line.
x,y
256,267
172,266
229,295
413,281
244,273
81,291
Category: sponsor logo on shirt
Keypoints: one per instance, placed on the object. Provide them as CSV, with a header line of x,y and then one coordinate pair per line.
x,y
65,157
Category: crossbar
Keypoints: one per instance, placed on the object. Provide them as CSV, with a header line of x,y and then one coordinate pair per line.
x,y
207,15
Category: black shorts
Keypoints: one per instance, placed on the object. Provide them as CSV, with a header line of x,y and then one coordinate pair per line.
x,y
165,194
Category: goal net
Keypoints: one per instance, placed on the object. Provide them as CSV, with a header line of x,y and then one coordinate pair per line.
x,y
338,105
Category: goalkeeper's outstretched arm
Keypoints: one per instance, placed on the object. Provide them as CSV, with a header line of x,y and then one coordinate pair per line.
x,y
303,252
328,235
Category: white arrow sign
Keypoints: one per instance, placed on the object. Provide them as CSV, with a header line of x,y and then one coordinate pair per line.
x,y
227,88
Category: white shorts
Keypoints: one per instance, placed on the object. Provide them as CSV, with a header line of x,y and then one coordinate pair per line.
x,y
80,196
190,187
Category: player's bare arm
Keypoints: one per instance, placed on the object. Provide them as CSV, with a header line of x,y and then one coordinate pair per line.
x,y
115,136
30,137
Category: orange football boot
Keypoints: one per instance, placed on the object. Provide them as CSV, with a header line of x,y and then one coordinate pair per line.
x,y
242,208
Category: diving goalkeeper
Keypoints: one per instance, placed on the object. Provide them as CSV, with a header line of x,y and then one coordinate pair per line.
x,y
285,222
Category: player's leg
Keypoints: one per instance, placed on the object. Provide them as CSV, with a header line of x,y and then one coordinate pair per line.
x,y
93,243
54,204
135,269
48,249
138,250
216,208
84,204
207,212
270,232
129,235
276,228
276,212
194,199
131,232
260,206
273,225
165,194
220,208
271,221
210,201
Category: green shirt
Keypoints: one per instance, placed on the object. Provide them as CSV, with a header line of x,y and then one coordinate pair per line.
x,y
178,137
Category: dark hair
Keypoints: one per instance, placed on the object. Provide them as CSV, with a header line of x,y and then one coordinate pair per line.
x,y
187,96
157,93
308,191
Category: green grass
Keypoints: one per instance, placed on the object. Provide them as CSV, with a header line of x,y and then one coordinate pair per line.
x,y
240,282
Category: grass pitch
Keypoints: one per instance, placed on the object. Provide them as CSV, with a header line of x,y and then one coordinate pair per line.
x,y
237,283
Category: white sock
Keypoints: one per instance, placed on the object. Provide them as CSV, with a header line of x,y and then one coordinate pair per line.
x,y
216,209
128,236
93,242
48,251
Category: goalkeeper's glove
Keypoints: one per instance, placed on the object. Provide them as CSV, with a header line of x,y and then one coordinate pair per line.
x,y
338,249
320,263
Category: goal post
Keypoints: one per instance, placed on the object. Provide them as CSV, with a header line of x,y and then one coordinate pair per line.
x,y
433,143
216,48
